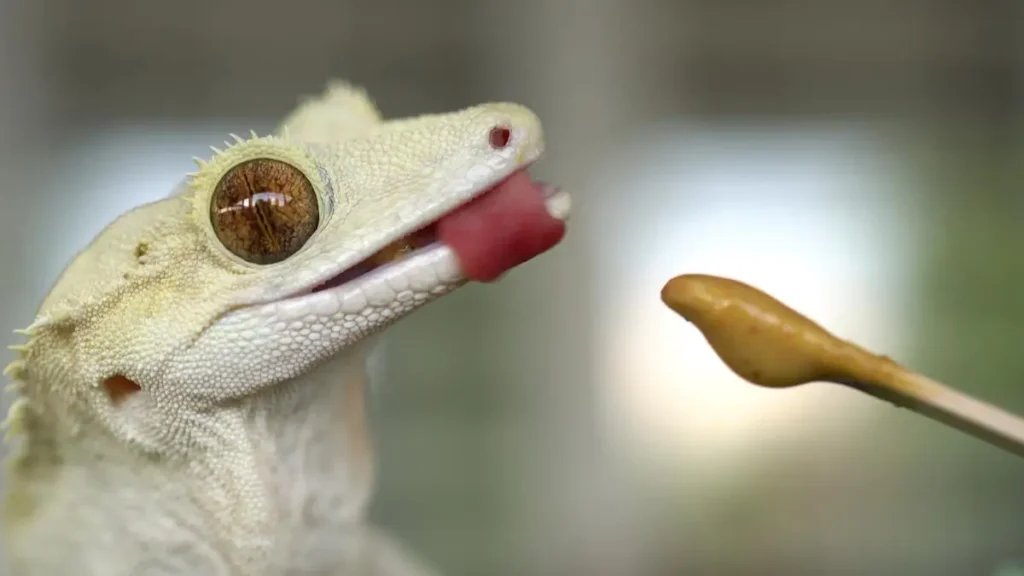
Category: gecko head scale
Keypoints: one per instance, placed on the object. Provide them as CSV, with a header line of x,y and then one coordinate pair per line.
x,y
278,253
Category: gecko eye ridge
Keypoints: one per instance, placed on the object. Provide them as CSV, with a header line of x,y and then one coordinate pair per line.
x,y
264,210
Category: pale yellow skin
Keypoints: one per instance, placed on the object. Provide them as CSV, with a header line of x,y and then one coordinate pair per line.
x,y
246,451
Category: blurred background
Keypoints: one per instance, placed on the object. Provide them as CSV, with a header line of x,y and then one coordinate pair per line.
x,y
860,159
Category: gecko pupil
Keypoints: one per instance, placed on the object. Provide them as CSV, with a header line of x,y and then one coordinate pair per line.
x,y
264,210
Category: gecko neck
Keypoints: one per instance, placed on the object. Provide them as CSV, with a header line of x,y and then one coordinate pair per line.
x,y
285,482
310,460
315,431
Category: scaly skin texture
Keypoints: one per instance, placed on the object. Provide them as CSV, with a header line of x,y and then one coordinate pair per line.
x,y
246,450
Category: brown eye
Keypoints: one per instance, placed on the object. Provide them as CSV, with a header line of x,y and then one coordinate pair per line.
x,y
264,210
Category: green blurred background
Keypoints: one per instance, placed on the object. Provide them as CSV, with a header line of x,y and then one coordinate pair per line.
x,y
860,159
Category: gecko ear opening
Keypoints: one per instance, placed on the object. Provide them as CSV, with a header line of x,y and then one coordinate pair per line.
x,y
264,210
120,388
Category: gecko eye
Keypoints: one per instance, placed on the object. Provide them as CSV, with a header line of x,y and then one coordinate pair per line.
x,y
264,210
499,137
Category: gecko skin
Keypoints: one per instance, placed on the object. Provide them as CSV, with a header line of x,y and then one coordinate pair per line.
x,y
190,397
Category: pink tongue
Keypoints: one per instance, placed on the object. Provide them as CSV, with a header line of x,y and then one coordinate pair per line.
x,y
501,229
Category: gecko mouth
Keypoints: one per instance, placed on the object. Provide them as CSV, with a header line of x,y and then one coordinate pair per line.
x,y
510,223
393,252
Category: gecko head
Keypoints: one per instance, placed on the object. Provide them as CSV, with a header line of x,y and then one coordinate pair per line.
x,y
277,254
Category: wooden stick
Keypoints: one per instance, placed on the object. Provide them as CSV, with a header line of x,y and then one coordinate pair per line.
x,y
769,344
944,404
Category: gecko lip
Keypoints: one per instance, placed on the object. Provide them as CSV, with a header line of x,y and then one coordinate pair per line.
x,y
393,252
418,241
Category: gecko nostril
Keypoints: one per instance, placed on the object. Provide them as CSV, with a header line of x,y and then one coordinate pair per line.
x,y
500,137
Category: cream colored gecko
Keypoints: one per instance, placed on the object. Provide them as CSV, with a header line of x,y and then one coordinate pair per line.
x,y
190,396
